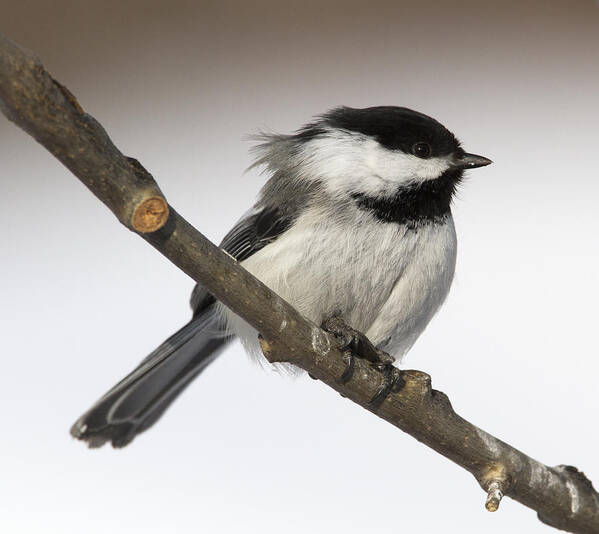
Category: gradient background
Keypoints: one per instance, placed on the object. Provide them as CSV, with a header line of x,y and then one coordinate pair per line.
x,y
178,85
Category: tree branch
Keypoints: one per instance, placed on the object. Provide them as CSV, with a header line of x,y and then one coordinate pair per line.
x,y
563,497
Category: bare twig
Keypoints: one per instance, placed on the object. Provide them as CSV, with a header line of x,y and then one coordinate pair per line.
x,y
494,496
32,99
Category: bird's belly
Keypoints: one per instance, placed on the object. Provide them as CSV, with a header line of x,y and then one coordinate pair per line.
x,y
418,293
360,274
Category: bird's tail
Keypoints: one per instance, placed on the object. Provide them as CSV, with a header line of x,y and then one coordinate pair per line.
x,y
139,399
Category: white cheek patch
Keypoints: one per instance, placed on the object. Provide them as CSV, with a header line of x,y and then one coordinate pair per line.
x,y
346,161
400,167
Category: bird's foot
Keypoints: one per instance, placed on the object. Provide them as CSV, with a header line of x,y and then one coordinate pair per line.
x,y
355,344
392,383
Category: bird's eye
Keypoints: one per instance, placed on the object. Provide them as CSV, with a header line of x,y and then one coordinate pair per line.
x,y
421,150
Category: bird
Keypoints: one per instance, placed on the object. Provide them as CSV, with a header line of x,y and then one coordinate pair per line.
x,y
353,228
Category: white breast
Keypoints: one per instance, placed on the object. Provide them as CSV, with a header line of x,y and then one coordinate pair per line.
x,y
384,279
420,289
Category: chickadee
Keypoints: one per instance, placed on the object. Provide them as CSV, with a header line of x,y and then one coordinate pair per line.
x,y
354,223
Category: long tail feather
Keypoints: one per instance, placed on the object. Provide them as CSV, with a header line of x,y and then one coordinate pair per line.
x,y
137,402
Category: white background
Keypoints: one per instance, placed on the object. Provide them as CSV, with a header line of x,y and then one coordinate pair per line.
x,y
178,85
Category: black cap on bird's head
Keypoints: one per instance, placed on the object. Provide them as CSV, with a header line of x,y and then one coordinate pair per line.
x,y
398,128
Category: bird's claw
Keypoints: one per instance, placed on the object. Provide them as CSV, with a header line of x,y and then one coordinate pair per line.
x,y
355,344
355,341
393,382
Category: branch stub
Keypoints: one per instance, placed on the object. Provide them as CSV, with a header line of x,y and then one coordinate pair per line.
x,y
150,215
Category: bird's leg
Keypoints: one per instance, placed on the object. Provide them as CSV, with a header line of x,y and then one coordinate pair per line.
x,y
355,344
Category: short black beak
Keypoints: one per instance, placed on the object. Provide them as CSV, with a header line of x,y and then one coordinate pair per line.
x,y
471,161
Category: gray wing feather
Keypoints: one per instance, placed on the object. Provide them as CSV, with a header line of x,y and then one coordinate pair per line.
x,y
256,229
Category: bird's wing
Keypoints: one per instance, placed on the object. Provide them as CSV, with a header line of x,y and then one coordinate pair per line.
x,y
140,399
256,229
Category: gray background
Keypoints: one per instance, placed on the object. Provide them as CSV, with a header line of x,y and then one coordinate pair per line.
x,y
178,85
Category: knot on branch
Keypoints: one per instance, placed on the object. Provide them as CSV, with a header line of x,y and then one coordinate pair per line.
x,y
69,97
150,215
272,352
577,475
416,382
582,505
